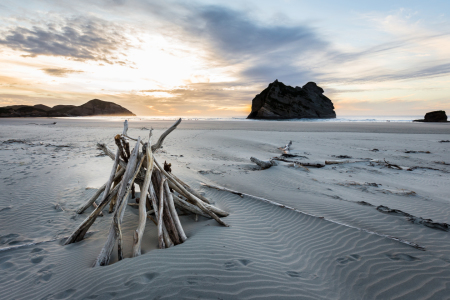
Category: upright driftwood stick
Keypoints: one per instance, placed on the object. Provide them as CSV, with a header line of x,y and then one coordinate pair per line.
x,y
174,213
142,203
154,198
114,231
160,217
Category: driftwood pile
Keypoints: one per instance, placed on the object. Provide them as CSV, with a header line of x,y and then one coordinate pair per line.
x,y
163,197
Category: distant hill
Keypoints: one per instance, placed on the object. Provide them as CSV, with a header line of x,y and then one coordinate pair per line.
x,y
94,107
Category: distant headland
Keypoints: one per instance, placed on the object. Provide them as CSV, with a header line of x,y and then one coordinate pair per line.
x,y
93,107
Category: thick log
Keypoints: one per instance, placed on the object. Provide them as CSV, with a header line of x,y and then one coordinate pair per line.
x,y
91,201
136,250
263,164
122,199
160,217
81,230
191,197
174,213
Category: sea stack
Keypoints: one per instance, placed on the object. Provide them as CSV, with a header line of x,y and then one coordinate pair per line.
x,y
434,116
280,101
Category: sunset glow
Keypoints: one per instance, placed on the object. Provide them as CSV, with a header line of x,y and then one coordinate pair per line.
x,y
210,58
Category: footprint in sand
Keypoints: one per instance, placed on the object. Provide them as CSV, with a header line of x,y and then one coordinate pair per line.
x,y
348,259
44,274
402,256
37,255
236,264
142,279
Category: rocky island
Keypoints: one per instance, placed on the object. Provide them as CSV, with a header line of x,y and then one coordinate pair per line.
x,y
434,116
280,101
93,107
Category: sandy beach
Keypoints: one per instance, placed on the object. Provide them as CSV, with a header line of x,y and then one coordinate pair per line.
x,y
333,244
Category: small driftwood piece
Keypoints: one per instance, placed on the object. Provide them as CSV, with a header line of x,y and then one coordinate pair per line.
x,y
263,164
312,165
287,148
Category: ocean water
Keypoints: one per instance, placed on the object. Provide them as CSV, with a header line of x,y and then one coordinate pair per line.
x,y
243,119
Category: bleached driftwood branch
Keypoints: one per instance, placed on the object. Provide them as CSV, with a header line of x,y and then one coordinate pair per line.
x,y
263,164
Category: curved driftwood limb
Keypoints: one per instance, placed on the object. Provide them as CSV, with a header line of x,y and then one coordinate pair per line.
x,y
191,197
322,218
287,148
189,207
81,230
263,164
164,135
160,217
174,213
191,190
91,201
136,250
122,199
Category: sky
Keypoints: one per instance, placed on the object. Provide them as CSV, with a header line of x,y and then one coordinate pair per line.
x,y
210,58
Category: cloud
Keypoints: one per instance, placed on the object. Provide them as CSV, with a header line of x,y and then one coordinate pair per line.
x,y
261,52
77,38
60,72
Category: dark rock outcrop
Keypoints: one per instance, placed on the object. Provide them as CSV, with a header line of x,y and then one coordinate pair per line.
x,y
434,116
94,107
280,101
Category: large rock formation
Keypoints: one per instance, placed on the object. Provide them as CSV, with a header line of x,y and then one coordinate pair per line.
x,y
94,107
434,116
279,101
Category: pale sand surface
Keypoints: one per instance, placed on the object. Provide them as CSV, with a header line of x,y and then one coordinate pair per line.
x,y
268,252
